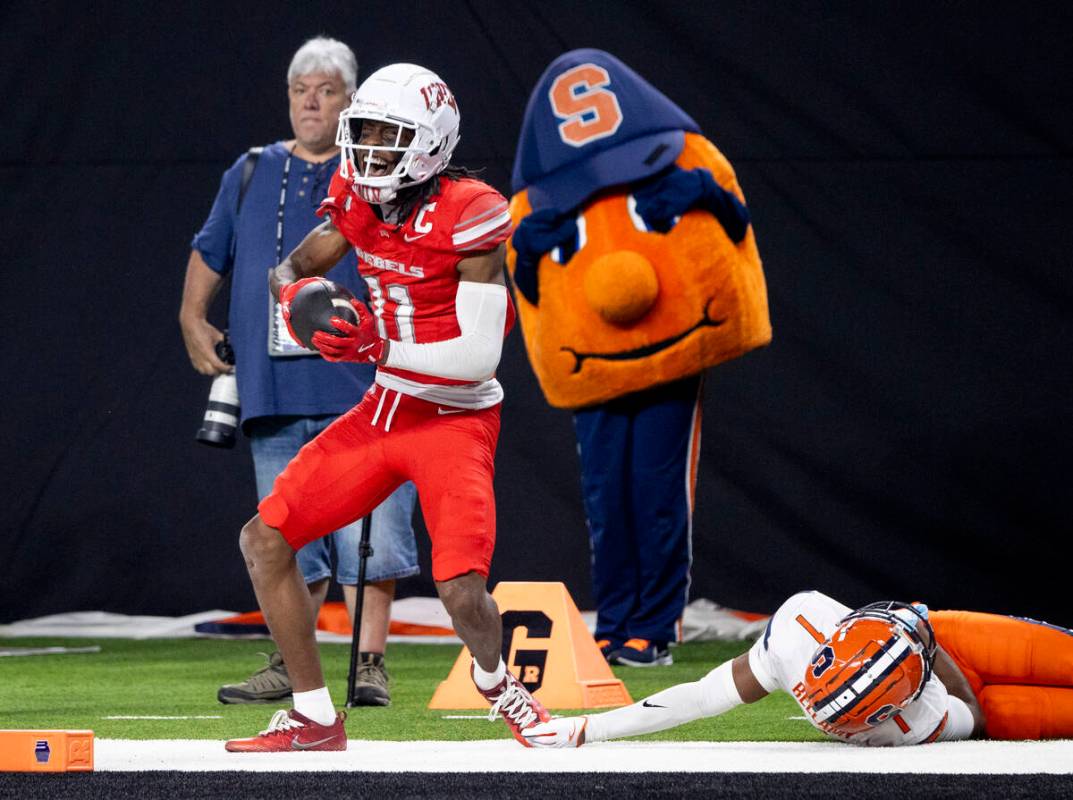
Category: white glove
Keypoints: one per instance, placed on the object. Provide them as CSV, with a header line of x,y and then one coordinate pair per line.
x,y
562,732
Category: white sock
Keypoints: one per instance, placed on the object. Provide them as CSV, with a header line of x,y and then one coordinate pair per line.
x,y
712,695
489,680
317,705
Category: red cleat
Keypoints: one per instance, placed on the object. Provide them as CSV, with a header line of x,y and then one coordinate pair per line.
x,y
512,701
290,732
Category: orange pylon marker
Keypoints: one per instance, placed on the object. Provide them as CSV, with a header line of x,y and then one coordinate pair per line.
x,y
548,648
46,751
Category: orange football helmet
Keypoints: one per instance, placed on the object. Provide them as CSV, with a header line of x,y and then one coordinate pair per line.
x,y
875,663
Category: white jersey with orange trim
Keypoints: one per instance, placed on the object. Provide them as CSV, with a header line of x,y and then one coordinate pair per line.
x,y
780,657
411,270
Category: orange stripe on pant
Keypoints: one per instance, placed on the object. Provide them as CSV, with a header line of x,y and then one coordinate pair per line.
x,y
694,446
1021,672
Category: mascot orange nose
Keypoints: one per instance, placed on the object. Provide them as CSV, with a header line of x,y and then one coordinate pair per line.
x,y
621,286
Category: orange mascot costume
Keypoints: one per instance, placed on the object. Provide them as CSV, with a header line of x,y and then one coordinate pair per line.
x,y
636,268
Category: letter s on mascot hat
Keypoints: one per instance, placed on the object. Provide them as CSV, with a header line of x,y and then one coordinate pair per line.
x,y
633,256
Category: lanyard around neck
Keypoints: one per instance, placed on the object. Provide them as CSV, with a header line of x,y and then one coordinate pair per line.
x,y
283,203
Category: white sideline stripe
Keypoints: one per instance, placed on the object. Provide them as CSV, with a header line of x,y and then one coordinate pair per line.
x,y
464,716
499,755
11,652
485,716
200,716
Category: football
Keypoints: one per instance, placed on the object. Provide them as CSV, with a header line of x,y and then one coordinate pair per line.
x,y
313,307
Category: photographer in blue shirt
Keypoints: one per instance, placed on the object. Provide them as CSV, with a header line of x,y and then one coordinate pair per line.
x,y
287,395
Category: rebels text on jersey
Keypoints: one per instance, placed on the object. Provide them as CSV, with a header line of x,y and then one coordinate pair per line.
x,y
412,272
780,657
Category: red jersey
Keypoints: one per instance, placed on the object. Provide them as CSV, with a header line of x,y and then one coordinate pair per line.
x,y
412,273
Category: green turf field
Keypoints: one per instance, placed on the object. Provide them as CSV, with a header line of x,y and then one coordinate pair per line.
x,y
179,677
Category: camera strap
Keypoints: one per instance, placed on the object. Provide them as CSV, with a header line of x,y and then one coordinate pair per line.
x,y
248,166
247,175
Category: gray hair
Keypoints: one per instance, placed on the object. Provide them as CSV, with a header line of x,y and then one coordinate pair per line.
x,y
322,54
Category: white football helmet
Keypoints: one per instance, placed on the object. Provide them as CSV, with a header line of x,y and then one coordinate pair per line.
x,y
414,99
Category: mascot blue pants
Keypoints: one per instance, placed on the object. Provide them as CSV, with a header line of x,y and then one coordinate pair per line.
x,y
638,460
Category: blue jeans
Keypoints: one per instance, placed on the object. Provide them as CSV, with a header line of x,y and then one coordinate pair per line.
x,y
274,441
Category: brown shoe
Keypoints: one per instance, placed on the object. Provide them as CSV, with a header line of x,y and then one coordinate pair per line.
x,y
370,687
269,684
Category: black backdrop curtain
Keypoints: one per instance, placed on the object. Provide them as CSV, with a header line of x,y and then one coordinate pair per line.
x,y
907,433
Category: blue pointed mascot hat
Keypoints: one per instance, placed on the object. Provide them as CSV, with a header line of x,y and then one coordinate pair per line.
x,y
592,122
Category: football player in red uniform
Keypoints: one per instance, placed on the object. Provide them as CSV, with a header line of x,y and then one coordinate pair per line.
x,y
429,241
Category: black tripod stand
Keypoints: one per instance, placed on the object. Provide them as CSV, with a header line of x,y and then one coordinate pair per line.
x,y
365,551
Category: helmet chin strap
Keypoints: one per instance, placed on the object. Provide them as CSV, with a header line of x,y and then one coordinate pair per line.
x,y
393,208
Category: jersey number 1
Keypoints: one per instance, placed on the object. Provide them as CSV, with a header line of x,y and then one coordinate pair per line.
x,y
403,314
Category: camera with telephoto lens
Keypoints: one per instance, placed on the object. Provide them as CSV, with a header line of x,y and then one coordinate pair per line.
x,y
222,414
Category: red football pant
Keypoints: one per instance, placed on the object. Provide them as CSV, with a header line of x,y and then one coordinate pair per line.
x,y
387,439
1021,672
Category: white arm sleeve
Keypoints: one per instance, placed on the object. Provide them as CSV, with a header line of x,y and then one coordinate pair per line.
x,y
712,695
481,309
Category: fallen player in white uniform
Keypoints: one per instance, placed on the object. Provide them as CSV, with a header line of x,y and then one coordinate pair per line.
x,y
874,677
